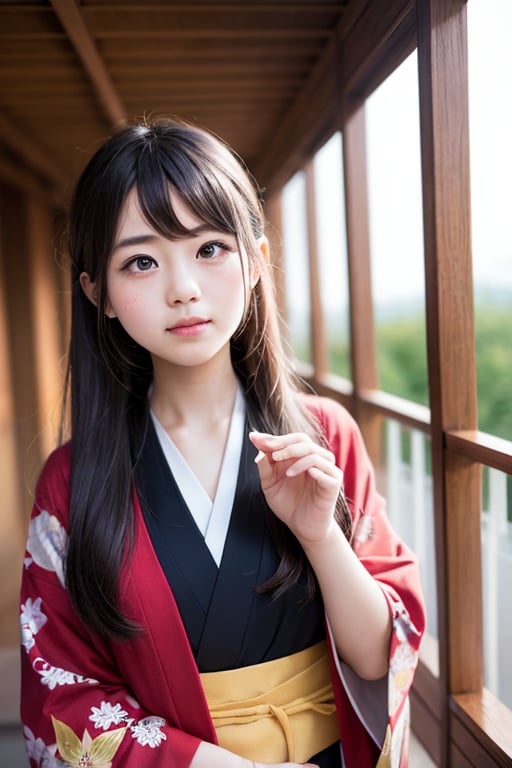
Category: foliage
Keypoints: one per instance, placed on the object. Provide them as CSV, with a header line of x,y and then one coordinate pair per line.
x,y
402,358
494,369
402,362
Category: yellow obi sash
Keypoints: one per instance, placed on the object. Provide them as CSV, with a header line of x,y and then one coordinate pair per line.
x,y
278,711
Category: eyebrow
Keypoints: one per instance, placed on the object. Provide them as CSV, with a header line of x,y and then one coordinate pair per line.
x,y
144,239
137,240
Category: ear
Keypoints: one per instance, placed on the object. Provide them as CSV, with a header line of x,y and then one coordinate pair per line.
x,y
91,291
264,250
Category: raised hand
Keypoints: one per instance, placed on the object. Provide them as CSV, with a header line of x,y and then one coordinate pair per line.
x,y
300,481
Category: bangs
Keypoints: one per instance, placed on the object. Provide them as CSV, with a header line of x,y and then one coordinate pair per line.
x,y
203,188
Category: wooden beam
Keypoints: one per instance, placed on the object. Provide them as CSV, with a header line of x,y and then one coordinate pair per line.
x,y
14,175
314,108
490,743
71,19
481,447
368,45
115,50
237,70
218,20
28,23
37,157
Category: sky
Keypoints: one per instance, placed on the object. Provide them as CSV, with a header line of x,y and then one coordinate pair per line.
x,y
490,79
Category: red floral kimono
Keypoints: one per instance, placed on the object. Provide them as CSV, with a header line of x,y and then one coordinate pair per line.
x,y
140,702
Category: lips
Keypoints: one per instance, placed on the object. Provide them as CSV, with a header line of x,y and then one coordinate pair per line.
x,y
189,326
187,322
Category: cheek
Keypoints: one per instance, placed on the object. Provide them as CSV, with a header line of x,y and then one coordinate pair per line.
x,y
235,295
123,302
130,303
234,283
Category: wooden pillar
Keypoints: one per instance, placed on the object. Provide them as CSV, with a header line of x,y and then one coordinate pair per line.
x,y
317,315
442,62
12,517
22,365
12,529
362,332
47,321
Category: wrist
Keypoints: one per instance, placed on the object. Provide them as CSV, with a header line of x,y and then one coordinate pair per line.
x,y
324,540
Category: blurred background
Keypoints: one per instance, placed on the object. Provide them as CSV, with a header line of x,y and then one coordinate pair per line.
x,y
381,133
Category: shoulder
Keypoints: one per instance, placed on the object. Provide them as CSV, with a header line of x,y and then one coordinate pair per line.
x,y
52,489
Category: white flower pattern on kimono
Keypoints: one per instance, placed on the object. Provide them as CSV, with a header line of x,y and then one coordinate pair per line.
x,y
54,676
35,747
32,619
42,754
363,529
403,661
47,543
403,625
148,731
108,714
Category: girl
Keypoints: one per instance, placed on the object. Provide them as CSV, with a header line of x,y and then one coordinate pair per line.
x,y
198,590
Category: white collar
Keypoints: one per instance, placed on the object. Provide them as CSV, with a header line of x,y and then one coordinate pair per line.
x,y
212,518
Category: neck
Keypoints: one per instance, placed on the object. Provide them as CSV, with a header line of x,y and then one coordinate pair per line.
x,y
184,395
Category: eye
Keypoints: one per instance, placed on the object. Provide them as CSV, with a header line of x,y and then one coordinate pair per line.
x,y
140,264
210,251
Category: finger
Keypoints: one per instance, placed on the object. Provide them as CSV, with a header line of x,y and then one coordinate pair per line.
x,y
313,460
264,464
325,483
274,442
285,447
296,450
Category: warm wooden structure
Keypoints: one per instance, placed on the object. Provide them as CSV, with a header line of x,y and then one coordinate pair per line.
x,y
275,79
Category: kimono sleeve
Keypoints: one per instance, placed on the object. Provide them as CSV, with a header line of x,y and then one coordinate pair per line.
x,y
75,706
386,557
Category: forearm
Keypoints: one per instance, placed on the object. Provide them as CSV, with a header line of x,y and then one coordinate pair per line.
x,y
301,482
354,602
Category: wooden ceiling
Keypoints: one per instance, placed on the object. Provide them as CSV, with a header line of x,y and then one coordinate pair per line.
x,y
70,71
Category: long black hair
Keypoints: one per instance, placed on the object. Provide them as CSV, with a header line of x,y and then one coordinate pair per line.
x,y
110,373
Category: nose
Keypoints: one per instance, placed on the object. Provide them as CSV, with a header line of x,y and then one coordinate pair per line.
x,y
182,284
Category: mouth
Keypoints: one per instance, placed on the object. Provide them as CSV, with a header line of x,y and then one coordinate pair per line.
x,y
189,326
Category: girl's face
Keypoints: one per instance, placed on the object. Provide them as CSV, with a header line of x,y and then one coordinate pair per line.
x,y
182,300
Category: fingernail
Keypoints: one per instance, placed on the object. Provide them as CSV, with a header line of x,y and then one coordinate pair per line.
x,y
259,456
